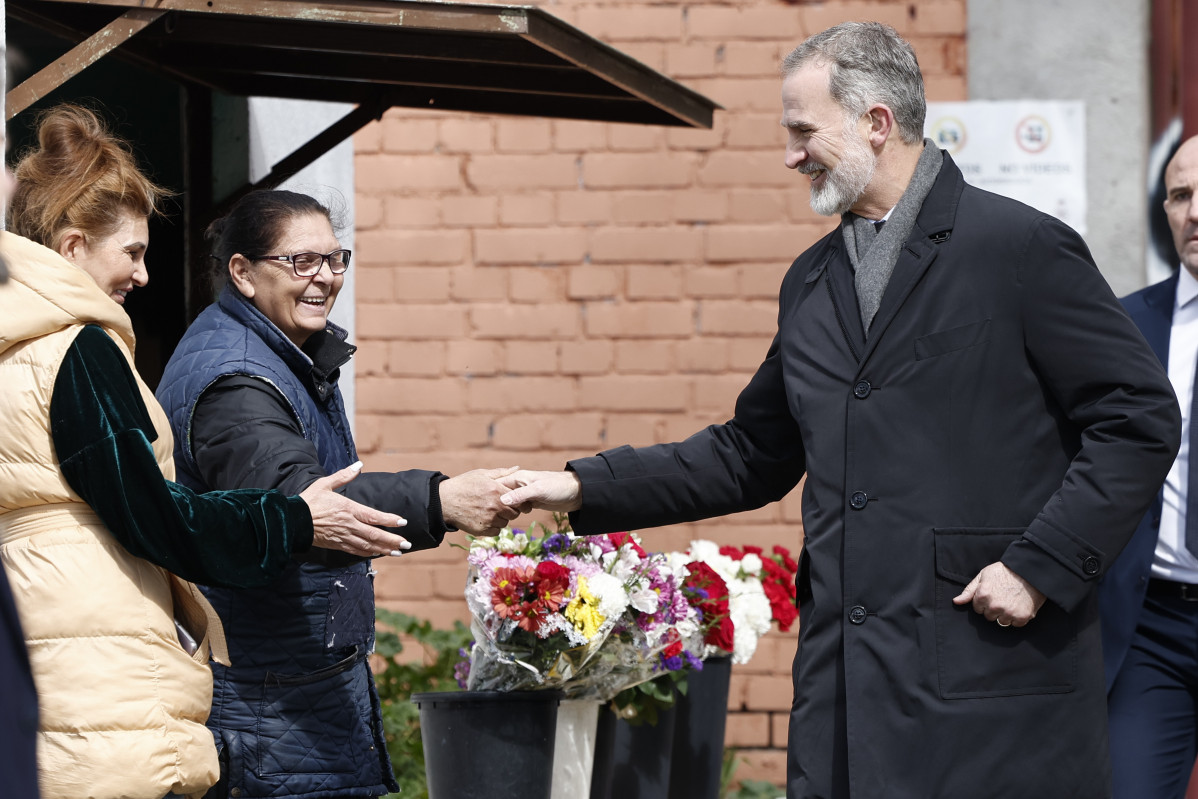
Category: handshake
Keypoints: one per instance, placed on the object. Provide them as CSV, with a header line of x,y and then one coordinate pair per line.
x,y
484,501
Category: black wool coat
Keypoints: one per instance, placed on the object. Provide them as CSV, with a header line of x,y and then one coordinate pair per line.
x,y
1003,407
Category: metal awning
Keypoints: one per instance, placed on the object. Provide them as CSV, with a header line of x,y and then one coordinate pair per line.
x,y
375,53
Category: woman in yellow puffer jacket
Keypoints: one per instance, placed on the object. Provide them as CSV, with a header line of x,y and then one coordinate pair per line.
x,y
98,543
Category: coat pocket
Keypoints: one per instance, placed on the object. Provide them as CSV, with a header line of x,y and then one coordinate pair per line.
x,y
977,658
951,340
316,723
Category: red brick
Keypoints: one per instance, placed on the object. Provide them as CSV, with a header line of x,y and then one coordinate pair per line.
x,y
536,284
366,432
396,395
374,284
575,430
946,88
758,206
368,212
747,729
449,582
742,169
792,506
526,394
769,693
369,138
594,282
705,355
530,245
740,95
462,431
654,282
402,135
762,281
569,134
698,205
584,207
474,284
639,319
468,210
586,357
411,247
530,357
410,212
526,209
635,138
623,244
467,134
416,358
676,428
632,22
821,16
633,393
698,139
410,433
938,16
650,53
387,321
718,392
472,357
371,358
418,284
637,430
711,281
690,60
751,242
501,172
519,432
520,322
747,353
642,207
395,174
645,357
758,130
635,170
719,317
400,578
753,59
523,135
779,729
756,22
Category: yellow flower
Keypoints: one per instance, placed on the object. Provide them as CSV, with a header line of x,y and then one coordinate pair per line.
x,y
583,611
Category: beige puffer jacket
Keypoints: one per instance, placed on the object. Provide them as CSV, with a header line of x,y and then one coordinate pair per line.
x,y
122,704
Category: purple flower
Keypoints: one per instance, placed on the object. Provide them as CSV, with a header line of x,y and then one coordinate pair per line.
x,y
557,542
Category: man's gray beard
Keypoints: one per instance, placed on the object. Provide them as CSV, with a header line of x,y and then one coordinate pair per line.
x,y
845,184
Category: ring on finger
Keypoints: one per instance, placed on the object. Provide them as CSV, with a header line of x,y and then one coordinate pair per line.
x,y
1000,624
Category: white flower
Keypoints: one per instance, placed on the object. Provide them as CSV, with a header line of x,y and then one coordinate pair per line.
x,y
751,564
511,545
644,599
609,590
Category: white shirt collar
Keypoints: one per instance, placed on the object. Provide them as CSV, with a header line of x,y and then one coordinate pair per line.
x,y
1187,288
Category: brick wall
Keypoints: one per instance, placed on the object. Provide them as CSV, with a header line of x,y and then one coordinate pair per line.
x,y
533,290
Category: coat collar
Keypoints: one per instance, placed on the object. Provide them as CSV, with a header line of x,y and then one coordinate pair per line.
x,y
1157,323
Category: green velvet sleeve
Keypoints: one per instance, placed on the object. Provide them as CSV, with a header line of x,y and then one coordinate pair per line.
x,y
102,434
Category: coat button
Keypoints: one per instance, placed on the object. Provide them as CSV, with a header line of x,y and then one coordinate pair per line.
x,y
862,389
1090,565
235,792
857,614
858,500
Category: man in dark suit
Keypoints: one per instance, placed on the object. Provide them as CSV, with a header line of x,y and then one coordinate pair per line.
x,y
981,426
1149,598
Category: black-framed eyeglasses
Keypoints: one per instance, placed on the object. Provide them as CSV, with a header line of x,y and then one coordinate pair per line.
x,y
307,264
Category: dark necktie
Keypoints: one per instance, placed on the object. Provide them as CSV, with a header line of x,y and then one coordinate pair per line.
x,y
878,225
1192,481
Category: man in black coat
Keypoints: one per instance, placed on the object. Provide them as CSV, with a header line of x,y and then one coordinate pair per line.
x,y
981,426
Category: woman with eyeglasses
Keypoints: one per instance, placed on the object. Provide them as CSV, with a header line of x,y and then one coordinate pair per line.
x,y
252,395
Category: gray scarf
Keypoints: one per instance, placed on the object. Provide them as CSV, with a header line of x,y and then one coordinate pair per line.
x,y
874,253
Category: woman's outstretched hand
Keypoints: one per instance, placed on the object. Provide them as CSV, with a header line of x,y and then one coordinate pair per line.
x,y
340,523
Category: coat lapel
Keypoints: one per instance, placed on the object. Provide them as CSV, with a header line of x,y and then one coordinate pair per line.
x,y
932,228
1157,322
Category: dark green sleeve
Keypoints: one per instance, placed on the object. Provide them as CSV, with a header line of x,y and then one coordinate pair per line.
x,y
102,434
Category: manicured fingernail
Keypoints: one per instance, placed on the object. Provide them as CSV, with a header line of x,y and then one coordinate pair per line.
x,y
396,553
406,545
356,466
400,521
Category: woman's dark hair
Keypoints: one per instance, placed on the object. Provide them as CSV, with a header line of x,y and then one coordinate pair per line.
x,y
254,224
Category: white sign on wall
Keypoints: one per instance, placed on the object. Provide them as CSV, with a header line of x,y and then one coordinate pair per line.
x,y
1033,151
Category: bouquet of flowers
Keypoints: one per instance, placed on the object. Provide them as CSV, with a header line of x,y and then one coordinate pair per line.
x,y
588,615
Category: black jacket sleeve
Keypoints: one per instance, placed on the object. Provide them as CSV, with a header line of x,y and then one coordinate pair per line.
x,y
244,435
102,434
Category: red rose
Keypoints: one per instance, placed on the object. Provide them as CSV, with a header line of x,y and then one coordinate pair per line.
x,y
755,550
721,634
781,604
620,539
731,552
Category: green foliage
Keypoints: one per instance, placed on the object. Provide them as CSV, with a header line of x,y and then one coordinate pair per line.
x,y
398,681
640,704
748,789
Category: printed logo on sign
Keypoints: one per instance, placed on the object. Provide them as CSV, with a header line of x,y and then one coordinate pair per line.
x,y
1033,134
949,134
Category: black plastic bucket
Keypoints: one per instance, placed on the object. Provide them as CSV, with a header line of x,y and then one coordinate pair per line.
x,y
488,744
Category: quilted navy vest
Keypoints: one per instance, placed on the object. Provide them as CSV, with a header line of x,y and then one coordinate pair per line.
x,y
297,714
